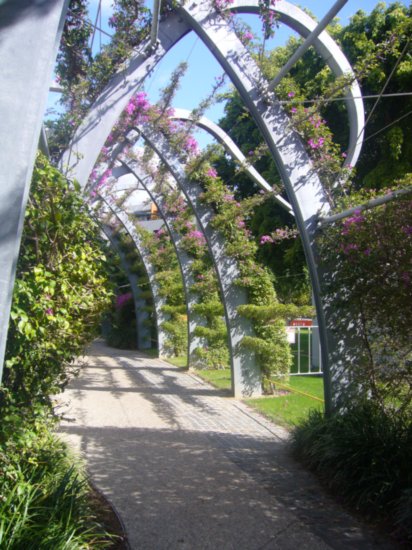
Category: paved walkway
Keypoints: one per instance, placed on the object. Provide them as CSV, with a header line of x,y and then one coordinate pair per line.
x,y
188,468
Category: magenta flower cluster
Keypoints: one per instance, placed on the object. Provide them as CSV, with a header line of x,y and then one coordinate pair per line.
x,y
212,173
191,146
316,143
265,239
222,4
247,36
122,299
197,236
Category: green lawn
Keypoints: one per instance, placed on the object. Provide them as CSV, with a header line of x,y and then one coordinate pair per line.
x,y
220,378
180,361
286,410
289,409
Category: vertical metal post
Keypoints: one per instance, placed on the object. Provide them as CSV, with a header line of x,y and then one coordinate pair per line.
x,y
30,34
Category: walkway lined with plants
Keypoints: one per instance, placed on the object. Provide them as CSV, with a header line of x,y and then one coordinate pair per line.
x,y
187,467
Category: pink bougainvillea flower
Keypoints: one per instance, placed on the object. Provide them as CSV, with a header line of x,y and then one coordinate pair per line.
x,y
123,299
265,239
212,173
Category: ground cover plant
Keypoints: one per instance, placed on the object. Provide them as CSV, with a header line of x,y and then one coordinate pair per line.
x,y
61,291
45,499
364,456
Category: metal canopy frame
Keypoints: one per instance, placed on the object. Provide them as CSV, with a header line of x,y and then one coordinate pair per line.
x,y
158,300
302,184
222,137
143,336
184,261
245,371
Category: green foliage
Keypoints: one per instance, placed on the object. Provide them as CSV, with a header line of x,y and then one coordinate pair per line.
x,y
60,293
275,311
373,43
177,334
45,500
364,456
169,280
371,252
269,343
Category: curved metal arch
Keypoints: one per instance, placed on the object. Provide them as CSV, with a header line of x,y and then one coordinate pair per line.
x,y
302,183
142,316
304,188
82,154
326,47
158,300
218,133
245,371
28,49
184,260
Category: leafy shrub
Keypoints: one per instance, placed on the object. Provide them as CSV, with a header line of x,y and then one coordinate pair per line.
x,y
60,293
371,284
44,496
364,455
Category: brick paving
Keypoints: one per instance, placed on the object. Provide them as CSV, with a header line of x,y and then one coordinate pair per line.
x,y
188,468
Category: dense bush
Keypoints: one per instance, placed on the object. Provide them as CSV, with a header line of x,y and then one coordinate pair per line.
x,y
363,455
60,293
371,284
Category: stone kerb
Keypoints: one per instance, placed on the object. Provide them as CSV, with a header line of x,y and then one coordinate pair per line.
x,y
184,260
246,375
158,300
143,335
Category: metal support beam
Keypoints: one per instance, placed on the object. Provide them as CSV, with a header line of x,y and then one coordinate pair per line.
x,y
231,147
155,25
184,260
246,375
30,34
143,336
303,186
307,43
158,300
366,206
84,150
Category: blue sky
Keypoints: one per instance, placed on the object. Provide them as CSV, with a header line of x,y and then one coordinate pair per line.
x,y
203,69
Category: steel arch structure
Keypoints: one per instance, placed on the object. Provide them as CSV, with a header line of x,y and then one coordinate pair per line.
x,y
143,336
303,186
184,261
158,300
245,371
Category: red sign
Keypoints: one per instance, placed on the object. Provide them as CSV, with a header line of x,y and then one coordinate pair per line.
x,y
301,323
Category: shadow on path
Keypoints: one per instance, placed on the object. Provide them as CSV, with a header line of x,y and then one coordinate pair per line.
x,y
188,469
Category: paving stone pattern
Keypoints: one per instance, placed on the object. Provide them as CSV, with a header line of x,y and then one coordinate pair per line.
x,y
186,467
